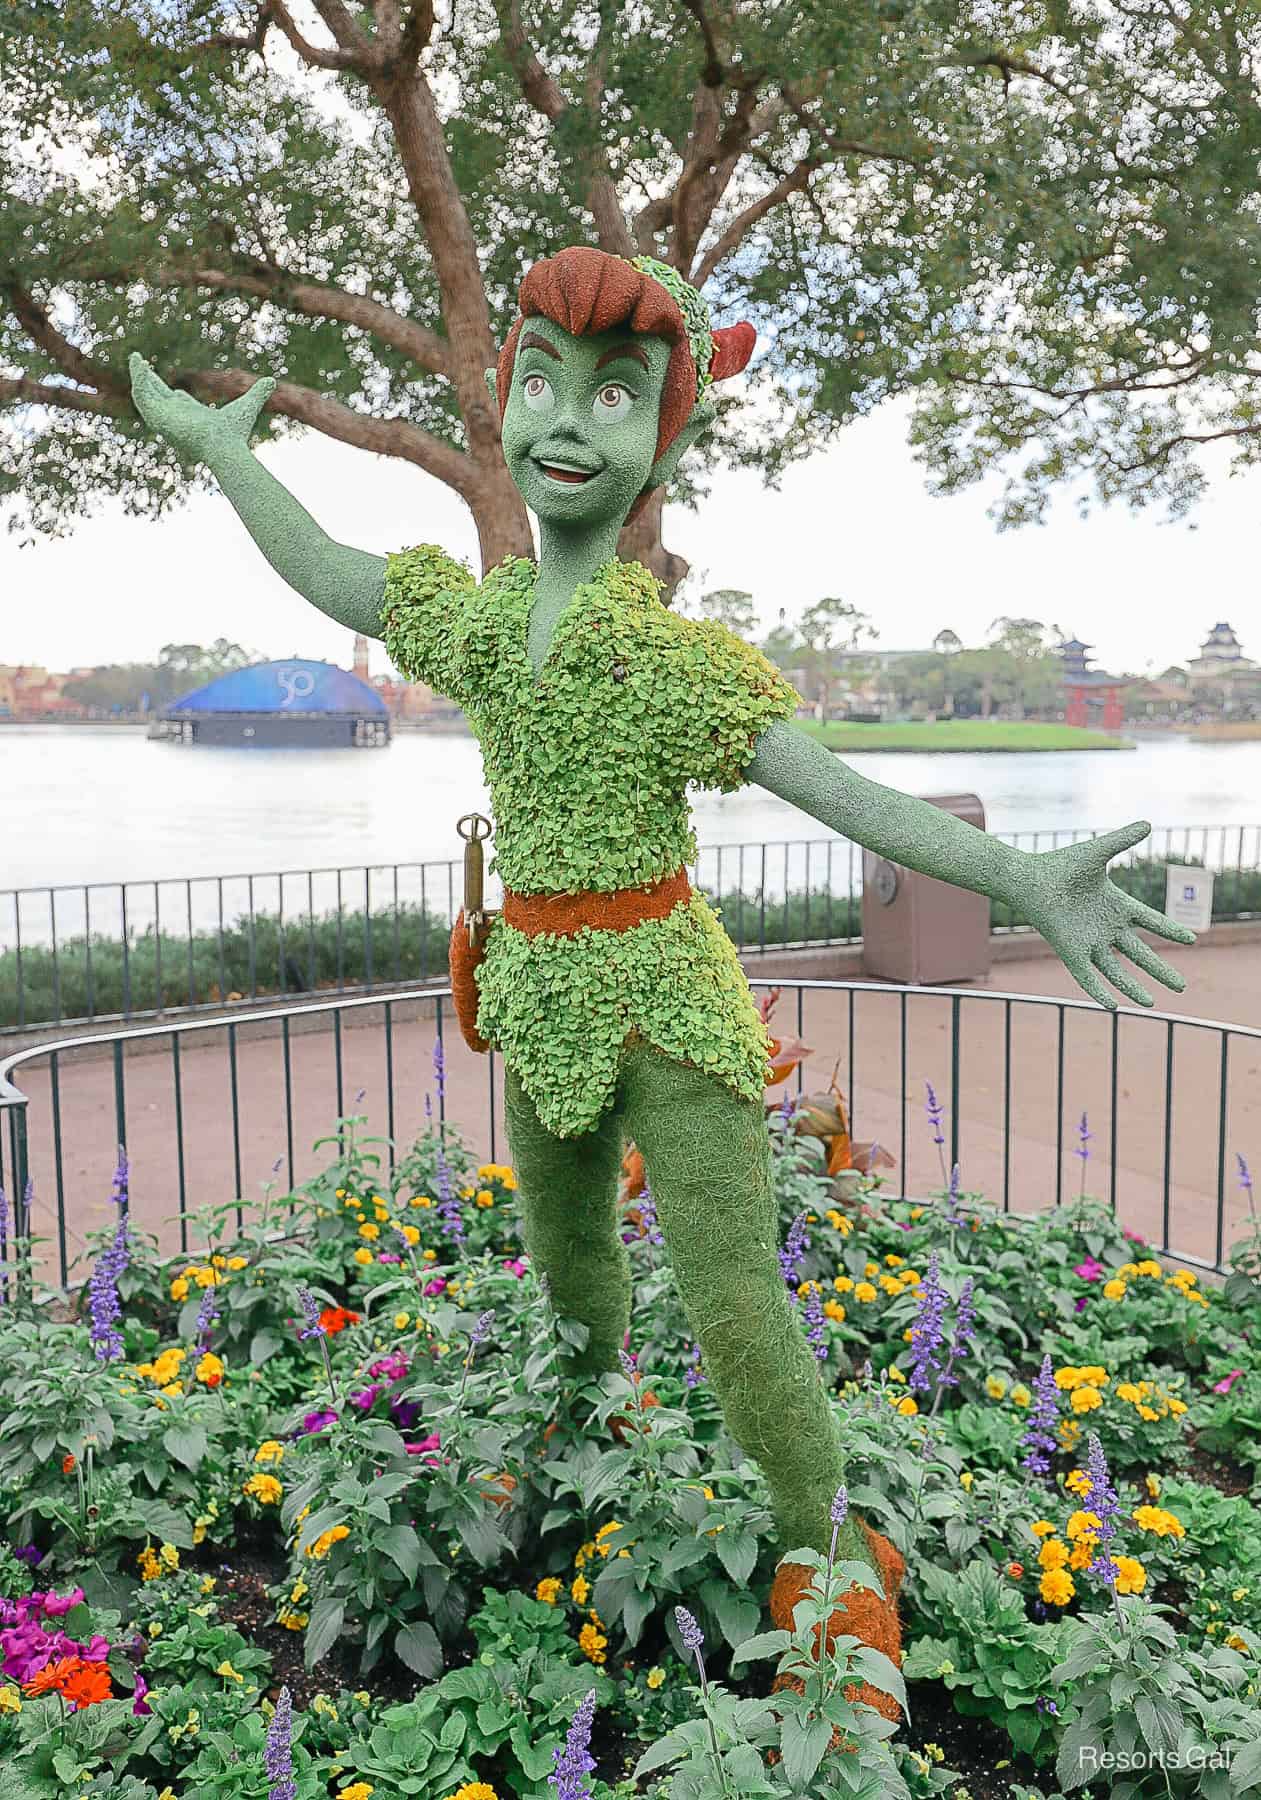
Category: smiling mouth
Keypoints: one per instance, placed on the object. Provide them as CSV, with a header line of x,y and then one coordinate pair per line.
x,y
557,471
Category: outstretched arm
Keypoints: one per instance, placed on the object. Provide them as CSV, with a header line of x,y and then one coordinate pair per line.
x,y
346,584
1065,893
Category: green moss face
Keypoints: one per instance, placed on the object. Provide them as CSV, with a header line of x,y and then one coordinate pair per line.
x,y
580,426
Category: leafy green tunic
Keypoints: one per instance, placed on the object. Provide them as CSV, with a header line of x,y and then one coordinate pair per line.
x,y
588,766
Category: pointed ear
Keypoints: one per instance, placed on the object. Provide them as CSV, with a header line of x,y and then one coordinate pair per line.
x,y
699,421
492,387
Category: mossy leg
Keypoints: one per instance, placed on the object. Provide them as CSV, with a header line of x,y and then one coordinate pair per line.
x,y
707,1155
567,1195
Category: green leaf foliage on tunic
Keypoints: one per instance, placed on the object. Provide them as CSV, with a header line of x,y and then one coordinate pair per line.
x,y
588,767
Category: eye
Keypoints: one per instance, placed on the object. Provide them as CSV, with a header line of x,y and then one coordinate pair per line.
x,y
538,392
612,402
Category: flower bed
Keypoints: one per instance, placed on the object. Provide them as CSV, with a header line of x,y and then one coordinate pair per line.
x,y
319,1510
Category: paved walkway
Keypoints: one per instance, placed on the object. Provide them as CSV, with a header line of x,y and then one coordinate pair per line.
x,y
1009,1074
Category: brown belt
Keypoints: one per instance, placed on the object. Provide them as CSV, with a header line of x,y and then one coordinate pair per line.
x,y
564,914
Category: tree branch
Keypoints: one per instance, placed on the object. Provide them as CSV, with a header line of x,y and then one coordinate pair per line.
x,y
791,183
36,321
21,388
354,51
387,437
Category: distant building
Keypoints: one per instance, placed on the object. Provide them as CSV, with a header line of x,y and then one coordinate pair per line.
x,y
1221,659
1091,696
29,692
292,705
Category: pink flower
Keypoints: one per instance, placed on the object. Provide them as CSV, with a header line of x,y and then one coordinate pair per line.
x,y
515,1264
424,1445
1090,1270
1228,1381
437,1286
55,1606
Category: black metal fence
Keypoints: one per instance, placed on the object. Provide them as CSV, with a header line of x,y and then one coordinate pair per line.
x,y
1044,1099
133,950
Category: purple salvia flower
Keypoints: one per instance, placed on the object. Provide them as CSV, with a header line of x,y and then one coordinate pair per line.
x,y
628,1364
788,1107
928,1330
207,1314
449,1210
278,1751
1245,1182
1104,1501
936,1113
360,1097
648,1216
691,1633
964,1332
575,1762
695,1374
1039,1441
814,1322
953,1214
103,1302
311,1307
840,1507
481,1330
120,1194
1084,1135
795,1246
439,1068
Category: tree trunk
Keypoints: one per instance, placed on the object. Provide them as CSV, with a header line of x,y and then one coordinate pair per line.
x,y
503,525
641,542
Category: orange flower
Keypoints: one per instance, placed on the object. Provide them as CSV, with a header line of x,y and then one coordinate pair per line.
x,y
336,1318
67,1465
1015,1570
78,1681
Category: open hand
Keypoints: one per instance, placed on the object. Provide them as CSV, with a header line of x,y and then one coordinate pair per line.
x,y
1087,919
193,428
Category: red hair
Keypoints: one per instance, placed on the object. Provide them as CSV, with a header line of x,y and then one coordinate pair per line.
x,y
585,291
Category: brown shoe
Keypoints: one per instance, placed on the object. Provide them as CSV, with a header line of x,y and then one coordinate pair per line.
x,y
861,1614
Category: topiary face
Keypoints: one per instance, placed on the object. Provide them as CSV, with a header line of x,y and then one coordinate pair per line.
x,y
580,426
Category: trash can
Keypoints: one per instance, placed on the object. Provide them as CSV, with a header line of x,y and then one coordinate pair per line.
x,y
919,930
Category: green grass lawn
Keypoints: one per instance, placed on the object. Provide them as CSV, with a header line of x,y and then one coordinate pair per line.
x,y
962,734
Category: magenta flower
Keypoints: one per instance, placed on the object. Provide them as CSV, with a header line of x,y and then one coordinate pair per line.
x,y
1090,1270
515,1266
436,1286
1227,1382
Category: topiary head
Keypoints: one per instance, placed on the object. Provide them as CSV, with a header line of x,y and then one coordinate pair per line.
x,y
604,381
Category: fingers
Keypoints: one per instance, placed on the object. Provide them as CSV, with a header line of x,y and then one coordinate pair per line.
x,y
1130,944
1121,978
1115,843
143,377
244,410
1085,976
1151,920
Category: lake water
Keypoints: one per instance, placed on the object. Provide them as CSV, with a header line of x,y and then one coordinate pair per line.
x,y
105,805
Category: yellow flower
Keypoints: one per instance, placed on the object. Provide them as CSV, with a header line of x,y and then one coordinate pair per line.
x,y
1020,1395
890,1285
592,1642
832,1309
966,1480
1156,1519
1042,1528
264,1488
1082,1523
582,1553
421,1200
210,1369
428,1255
1114,1290
602,1549
179,1288
1149,1267
474,1790
547,1590
894,1262
169,1557
995,1386
864,1292
380,1214
150,1567
843,1284
907,1406
1078,1482
1152,1484
1086,1399
358,1790
484,1198
1057,1587
402,1320
410,1234
10,1700
1068,1377
269,1452
173,1390
1053,1553
228,1672
871,1269
1235,1642
580,1587
894,1373
324,1543
363,1256
369,1230
655,1678
1131,1575
238,1262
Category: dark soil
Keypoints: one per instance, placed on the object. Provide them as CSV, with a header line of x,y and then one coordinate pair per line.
x,y
1221,1472
973,1746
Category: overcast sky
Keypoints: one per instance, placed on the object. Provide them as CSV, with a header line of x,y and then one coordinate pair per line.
x,y
855,521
